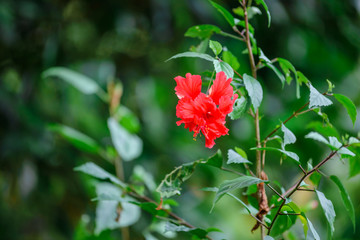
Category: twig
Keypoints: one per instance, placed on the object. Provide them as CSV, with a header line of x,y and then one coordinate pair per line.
x,y
295,187
274,190
232,171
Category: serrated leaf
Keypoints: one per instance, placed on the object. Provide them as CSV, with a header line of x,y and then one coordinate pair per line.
x,y
221,66
78,80
95,171
254,90
345,198
289,137
202,31
239,108
234,157
262,2
129,146
335,144
316,136
328,209
317,99
225,13
230,185
215,47
349,106
193,55
78,139
106,211
231,59
287,153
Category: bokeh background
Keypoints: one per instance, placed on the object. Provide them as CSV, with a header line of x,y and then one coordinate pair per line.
x,y
43,198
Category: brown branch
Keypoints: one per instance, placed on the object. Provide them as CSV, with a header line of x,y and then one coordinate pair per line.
x,y
295,187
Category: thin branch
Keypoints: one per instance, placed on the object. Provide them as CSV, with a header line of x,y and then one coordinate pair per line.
x,y
289,213
274,190
306,190
296,186
302,169
225,34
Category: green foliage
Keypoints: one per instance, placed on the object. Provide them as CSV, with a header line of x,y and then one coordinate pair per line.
x,y
78,139
114,213
328,209
95,171
317,99
254,90
240,107
128,146
221,66
225,13
289,137
193,55
215,47
230,185
231,59
83,83
292,155
236,157
202,31
262,2
345,198
349,106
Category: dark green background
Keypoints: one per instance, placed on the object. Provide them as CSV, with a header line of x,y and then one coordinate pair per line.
x,y
43,198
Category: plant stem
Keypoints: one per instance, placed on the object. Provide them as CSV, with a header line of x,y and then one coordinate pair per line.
x,y
256,117
225,34
295,187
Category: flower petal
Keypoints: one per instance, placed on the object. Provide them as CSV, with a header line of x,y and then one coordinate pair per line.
x,y
226,104
188,87
221,87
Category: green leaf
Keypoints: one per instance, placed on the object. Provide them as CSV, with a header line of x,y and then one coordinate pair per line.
x,y
230,59
354,164
317,99
323,128
252,11
79,81
299,81
286,66
215,47
287,153
335,144
221,66
202,47
128,146
289,137
107,210
312,229
304,222
215,160
239,108
316,136
202,31
127,119
254,90
194,55
230,185
239,11
78,139
349,106
95,171
262,2
234,157
200,233
328,209
345,198
226,14
170,185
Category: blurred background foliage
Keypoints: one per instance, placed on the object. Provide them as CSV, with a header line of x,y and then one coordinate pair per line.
x,y
43,198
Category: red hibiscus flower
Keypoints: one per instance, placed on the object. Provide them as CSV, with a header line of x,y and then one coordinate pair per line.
x,y
204,113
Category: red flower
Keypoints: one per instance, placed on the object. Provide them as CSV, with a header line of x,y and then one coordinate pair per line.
x,y
204,113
